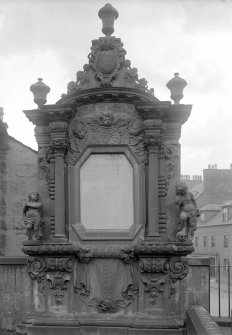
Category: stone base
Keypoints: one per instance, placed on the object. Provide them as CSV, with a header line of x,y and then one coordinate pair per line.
x,y
105,325
96,330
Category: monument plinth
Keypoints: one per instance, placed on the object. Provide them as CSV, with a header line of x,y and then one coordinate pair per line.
x,y
111,260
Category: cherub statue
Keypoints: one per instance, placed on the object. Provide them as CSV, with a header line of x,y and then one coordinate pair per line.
x,y
32,213
188,212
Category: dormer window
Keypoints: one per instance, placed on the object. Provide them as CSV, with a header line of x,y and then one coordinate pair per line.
x,y
202,218
225,214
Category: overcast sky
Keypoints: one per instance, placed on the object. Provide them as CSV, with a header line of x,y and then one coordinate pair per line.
x,y
51,39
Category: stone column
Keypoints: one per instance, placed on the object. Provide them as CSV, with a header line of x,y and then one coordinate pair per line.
x,y
59,142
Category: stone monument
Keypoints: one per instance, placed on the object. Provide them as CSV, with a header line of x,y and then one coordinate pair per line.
x,y
111,258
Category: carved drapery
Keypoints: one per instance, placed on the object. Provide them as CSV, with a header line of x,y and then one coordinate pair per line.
x,y
107,285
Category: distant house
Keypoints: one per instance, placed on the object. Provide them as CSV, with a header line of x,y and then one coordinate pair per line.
x,y
213,236
18,174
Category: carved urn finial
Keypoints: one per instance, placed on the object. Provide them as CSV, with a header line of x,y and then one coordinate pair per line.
x,y
108,14
40,91
176,86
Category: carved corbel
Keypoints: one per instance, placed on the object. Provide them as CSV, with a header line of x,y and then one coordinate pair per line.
x,y
154,284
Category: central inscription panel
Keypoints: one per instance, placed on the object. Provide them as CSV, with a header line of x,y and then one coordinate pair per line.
x,y
106,192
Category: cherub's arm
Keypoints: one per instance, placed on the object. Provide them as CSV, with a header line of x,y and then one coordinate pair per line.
x,y
177,200
193,199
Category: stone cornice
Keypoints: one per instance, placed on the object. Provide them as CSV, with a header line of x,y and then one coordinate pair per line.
x,y
49,113
112,94
113,251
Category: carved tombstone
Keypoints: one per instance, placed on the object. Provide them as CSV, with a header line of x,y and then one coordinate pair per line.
x,y
109,160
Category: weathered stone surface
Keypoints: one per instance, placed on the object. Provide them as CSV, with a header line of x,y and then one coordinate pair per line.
x,y
18,177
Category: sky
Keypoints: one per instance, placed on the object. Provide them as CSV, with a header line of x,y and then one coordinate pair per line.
x,y
51,39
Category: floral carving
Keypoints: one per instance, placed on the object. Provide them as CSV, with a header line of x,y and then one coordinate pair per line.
x,y
59,284
107,305
154,286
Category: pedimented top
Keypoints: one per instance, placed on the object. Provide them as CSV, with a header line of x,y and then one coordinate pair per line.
x,y
107,67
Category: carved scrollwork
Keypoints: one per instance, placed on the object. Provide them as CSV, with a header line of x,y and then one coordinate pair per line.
x,y
36,268
153,264
107,124
54,269
178,270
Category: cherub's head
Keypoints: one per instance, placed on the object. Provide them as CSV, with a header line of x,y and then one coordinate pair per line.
x,y
181,188
33,196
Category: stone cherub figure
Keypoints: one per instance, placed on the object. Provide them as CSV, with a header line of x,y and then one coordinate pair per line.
x,y
32,214
188,212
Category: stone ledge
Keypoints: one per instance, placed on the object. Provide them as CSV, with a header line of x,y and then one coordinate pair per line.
x,y
12,260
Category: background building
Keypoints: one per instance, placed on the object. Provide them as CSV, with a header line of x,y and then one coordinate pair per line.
x,y
213,236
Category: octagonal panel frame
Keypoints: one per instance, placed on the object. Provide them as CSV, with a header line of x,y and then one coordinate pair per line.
x,y
74,201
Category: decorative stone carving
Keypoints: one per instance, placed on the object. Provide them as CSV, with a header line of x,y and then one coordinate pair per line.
x,y
44,155
106,124
106,285
108,67
56,270
178,270
33,217
154,285
171,159
36,267
188,212
60,275
164,271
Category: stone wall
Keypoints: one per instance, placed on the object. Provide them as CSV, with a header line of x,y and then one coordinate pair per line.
x,y
18,174
15,289
14,292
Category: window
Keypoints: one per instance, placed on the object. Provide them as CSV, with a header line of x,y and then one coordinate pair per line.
x,y
226,241
225,214
196,242
202,217
225,264
213,241
205,241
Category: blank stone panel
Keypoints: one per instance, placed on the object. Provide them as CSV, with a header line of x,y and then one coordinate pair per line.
x,y
106,192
